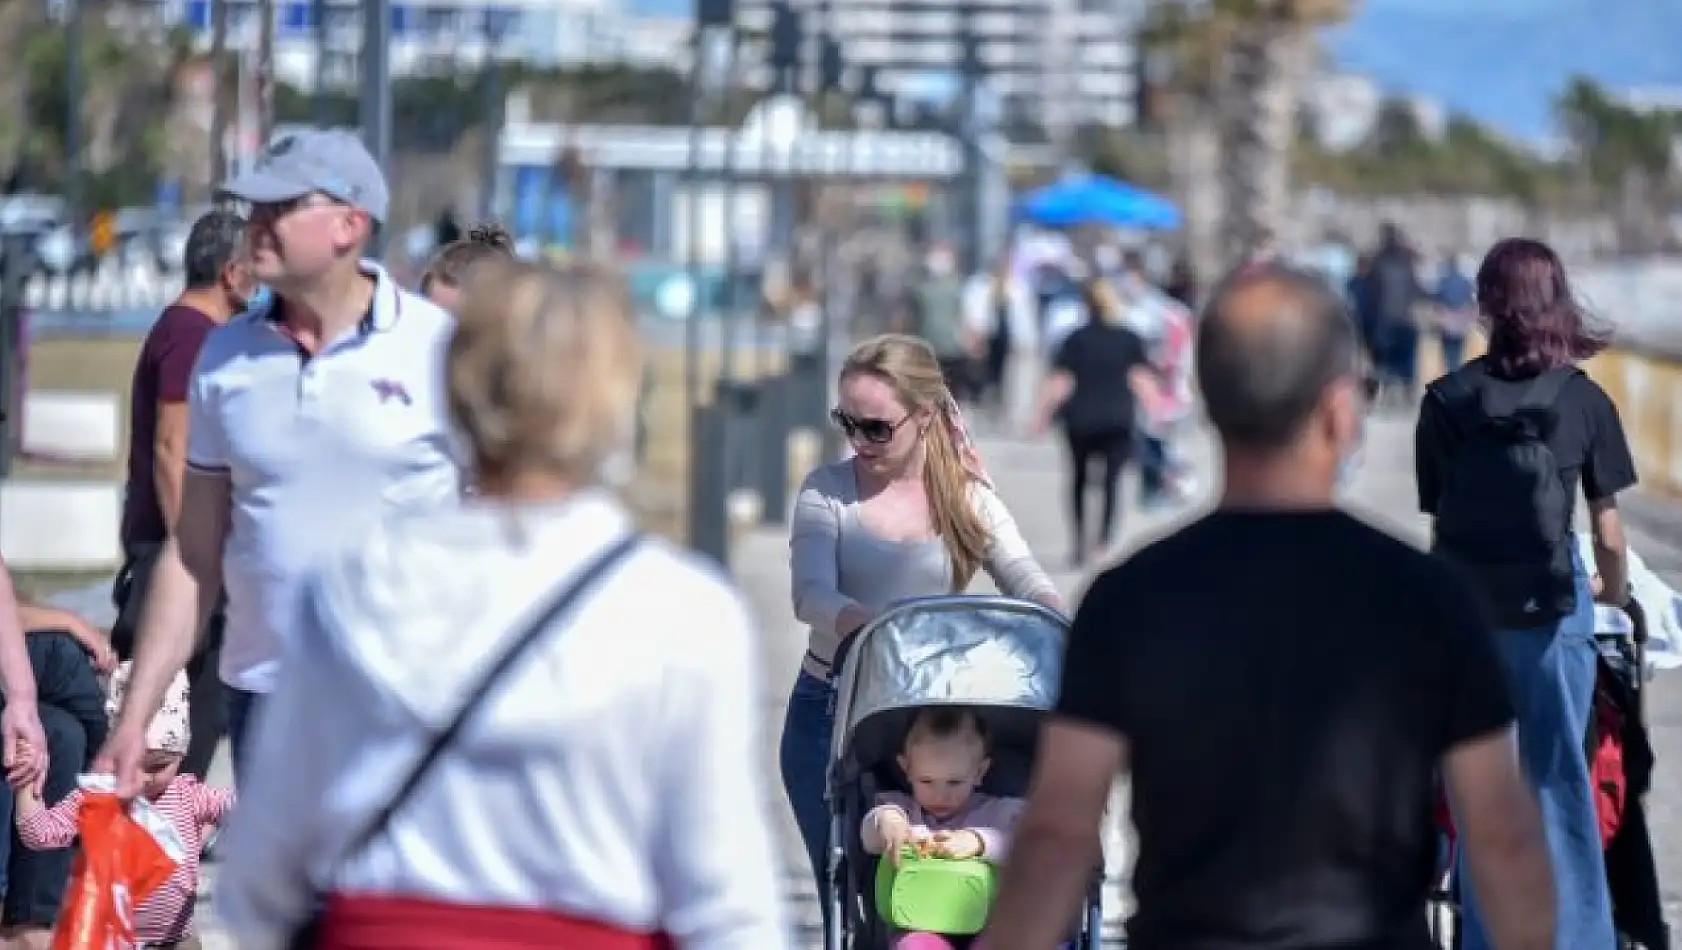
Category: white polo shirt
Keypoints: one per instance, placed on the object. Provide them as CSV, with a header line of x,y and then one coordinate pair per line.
x,y
317,449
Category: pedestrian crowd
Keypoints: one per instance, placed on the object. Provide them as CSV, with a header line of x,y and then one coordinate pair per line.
x,y
372,537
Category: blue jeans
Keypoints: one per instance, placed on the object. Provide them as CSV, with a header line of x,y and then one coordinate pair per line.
x,y
1153,467
243,708
1454,351
804,759
1551,672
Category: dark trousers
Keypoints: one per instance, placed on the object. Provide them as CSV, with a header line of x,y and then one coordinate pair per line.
x,y
1112,447
960,376
72,710
1454,351
244,709
207,712
1153,467
992,388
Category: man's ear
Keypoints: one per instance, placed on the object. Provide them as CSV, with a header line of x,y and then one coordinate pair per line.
x,y
981,773
904,765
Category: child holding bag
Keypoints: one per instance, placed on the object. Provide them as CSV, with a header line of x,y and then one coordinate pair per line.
x,y
165,918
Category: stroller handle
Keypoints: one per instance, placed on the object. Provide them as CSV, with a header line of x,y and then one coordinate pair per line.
x,y
1637,615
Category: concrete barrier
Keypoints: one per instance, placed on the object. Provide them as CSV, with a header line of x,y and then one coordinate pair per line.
x,y
61,525
1647,388
1644,380
83,427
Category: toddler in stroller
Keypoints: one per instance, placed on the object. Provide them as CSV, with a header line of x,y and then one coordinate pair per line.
x,y
945,816
938,707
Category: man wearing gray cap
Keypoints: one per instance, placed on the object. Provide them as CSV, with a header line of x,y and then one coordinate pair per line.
x,y
309,418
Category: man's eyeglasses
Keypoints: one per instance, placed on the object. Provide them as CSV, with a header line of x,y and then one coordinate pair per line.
x,y
875,431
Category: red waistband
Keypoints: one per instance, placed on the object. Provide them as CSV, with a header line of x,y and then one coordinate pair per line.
x,y
363,922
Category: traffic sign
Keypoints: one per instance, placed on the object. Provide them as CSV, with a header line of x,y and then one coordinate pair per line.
x,y
104,233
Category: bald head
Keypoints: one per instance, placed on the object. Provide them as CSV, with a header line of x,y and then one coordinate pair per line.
x,y
1271,340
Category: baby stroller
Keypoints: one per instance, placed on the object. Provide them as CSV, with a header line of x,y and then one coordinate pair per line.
x,y
998,657
1621,766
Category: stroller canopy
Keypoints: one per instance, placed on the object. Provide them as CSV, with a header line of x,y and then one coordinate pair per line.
x,y
958,650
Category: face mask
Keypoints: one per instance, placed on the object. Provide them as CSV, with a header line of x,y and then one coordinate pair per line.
x,y
1351,463
259,299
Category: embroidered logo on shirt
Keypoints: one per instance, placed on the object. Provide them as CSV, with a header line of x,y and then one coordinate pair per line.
x,y
389,389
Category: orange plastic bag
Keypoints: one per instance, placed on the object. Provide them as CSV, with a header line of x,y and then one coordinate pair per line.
x,y
128,851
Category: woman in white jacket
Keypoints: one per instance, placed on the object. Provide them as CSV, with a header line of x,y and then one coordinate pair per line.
x,y
607,793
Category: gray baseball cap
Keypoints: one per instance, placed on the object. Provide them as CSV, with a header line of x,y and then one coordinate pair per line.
x,y
301,162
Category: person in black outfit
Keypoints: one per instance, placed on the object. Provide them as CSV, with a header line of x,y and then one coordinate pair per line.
x,y
1515,538
1099,375
1392,291
1285,683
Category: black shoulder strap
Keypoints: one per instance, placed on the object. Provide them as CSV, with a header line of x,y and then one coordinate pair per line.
x,y
539,623
1545,388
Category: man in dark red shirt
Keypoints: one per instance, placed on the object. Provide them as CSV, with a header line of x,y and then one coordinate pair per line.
x,y
218,286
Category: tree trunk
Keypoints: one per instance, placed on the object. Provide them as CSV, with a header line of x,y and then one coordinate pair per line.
x,y
1194,151
1259,94
222,97
15,21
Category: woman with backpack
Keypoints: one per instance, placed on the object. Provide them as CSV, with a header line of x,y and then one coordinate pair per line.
x,y
1502,445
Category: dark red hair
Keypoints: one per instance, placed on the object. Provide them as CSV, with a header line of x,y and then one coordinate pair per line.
x,y
1534,323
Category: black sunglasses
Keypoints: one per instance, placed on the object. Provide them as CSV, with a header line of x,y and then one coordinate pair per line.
x,y
876,431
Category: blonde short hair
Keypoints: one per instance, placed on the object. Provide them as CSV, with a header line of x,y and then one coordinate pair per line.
x,y
544,369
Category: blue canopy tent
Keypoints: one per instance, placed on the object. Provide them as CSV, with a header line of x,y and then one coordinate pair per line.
x,y
1098,199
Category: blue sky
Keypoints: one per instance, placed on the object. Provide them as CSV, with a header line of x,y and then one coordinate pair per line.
x,y
1502,61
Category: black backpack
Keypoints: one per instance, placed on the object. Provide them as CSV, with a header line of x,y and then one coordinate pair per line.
x,y
1504,514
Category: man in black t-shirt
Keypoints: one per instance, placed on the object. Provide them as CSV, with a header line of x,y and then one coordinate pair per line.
x,y
1284,684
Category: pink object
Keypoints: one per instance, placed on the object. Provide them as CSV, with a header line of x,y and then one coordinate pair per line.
x,y
923,941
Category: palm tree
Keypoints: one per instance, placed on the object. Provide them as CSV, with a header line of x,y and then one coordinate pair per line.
x,y
1271,49
1238,69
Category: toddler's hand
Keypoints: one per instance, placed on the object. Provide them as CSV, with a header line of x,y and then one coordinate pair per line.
x,y
958,845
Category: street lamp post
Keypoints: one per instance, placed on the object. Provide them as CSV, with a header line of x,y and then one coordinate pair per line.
x,y
494,109
708,526
318,102
376,88
73,39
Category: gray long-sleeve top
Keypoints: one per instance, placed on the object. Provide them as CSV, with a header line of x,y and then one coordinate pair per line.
x,y
836,561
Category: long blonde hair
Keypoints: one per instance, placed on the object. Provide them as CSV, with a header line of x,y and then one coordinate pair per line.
x,y
908,364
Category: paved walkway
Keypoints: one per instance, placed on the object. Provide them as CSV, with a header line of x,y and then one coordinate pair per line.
x,y
1030,477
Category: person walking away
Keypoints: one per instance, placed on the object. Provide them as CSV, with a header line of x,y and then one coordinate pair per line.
x,y
1502,446
937,315
308,419
1393,293
521,747
910,514
1457,310
1284,802
1182,283
1100,384
1151,314
999,312
445,274
219,285
194,810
